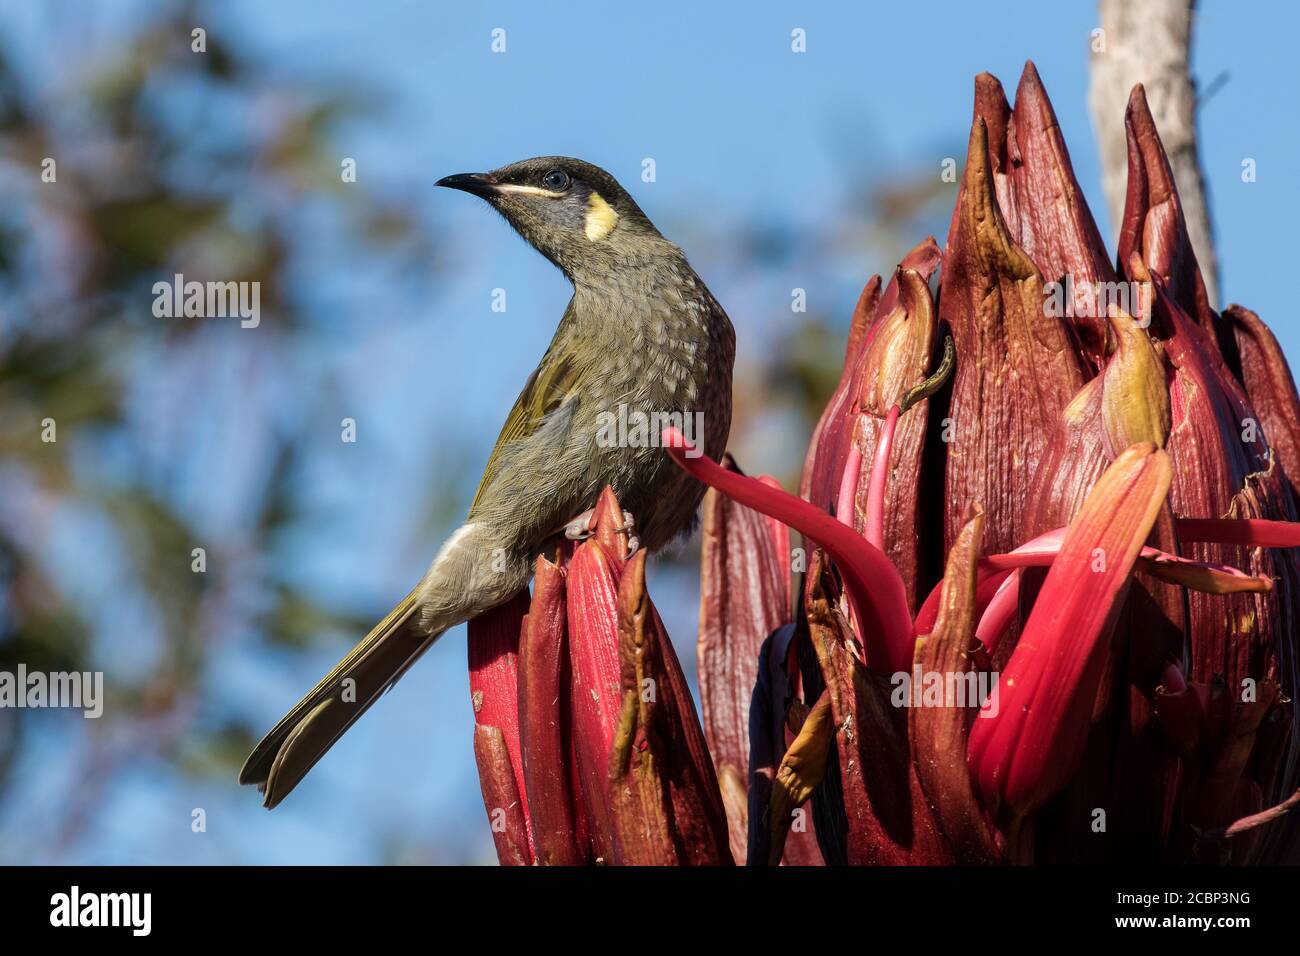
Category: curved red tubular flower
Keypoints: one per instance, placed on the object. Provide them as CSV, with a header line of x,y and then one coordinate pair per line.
x,y
1206,576
849,485
985,589
929,611
844,511
998,605
868,574
875,527
1000,612
994,570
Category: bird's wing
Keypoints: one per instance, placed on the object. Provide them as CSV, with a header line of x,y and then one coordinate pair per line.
x,y
551,384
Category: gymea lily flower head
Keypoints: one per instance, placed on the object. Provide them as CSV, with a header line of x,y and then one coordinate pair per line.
x,y
1063,478
1046,603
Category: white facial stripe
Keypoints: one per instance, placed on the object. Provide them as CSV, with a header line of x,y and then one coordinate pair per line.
x,y
527,190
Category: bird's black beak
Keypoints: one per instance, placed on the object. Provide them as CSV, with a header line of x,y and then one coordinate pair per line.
x,y
476,183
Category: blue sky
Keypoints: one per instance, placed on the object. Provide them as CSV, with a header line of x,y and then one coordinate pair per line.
x,y
741,130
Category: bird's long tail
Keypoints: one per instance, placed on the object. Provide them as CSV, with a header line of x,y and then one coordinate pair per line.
x,y
440,601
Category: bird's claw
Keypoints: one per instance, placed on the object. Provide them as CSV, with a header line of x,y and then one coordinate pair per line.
x,y
580,529
633,542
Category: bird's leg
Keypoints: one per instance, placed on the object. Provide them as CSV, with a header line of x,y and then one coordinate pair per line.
x,y
579,529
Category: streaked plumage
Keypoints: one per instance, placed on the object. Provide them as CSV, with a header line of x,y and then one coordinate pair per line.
x,y
642,329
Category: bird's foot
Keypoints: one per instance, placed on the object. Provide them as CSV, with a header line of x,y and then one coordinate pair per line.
x,y
580,529
633,542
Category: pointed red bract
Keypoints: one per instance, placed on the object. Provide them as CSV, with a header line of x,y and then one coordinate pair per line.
x,y
558,821
588,744
493,677
1030,735
744,597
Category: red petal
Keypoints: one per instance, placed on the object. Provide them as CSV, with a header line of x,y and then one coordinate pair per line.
x,y
559,835
744,596
1269,385
501,797
830,441
1017,369
1153,224
493,642
1030,734
1056,226
594,690
664,803
871,578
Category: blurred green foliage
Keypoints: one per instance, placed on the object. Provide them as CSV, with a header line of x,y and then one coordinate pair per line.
x,y
166,162
219,167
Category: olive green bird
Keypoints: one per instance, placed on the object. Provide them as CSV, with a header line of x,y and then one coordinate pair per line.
x,y
642,332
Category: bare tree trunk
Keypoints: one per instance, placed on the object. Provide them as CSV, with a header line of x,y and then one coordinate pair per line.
x,y
1150,43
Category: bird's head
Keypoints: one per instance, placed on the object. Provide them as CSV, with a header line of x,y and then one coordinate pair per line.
x,y
574,213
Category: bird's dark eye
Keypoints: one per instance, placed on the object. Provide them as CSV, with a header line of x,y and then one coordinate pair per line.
x,y
557,180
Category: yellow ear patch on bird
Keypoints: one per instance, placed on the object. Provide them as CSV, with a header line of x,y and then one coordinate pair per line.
x,y
601,218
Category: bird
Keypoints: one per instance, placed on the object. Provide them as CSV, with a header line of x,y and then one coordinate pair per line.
x,y
642,336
